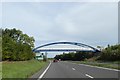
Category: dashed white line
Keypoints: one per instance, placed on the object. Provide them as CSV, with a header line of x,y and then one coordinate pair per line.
x,y
88,76
44,71
73,68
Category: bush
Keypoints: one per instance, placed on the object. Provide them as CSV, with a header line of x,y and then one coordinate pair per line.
x,y
111,53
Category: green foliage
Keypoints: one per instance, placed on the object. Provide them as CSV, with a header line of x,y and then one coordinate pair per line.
x,y
16,45
111,53
75,56
0,44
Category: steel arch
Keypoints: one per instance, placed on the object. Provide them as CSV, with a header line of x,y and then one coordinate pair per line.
x,y
72,43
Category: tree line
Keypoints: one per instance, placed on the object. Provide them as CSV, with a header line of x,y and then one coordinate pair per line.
x,y
0,44
110,53
75,56
16,46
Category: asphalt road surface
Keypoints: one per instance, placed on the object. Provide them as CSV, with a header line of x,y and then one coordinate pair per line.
x,y
71,70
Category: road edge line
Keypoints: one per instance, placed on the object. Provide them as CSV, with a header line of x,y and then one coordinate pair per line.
x,y
44,71
99,67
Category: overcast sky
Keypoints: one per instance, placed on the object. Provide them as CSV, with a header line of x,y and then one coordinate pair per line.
x,y
93,23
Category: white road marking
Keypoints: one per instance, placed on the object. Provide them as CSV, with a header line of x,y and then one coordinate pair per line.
x,y
73,68
44,72
88,76
99,67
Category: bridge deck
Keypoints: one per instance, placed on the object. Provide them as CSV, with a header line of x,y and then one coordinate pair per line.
x,y
50,50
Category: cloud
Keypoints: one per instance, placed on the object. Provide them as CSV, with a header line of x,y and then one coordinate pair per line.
x,y
60,1
93,21
0,14
49,22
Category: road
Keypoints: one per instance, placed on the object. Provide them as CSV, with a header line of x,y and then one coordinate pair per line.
x,y
70,70
65,69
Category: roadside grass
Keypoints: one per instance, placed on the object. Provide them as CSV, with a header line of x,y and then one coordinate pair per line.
x,y
112,65
0,70
21,69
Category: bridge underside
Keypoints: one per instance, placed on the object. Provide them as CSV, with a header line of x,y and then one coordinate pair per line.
x,y
63,50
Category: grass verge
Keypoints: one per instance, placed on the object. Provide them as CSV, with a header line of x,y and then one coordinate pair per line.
x,y
112,65
21,69
0,70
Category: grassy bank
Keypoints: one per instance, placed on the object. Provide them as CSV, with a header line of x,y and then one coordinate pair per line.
x,y
0,70
21,69
113,65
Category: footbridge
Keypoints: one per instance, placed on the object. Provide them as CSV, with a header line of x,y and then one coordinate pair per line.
x,y
82,47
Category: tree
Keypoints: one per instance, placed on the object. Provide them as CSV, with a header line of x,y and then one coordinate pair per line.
x,y
16,45
110,53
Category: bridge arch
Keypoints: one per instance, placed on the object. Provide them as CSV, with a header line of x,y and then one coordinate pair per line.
x,y
71,43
